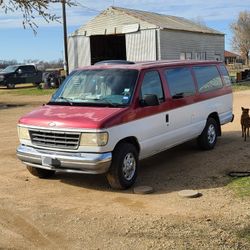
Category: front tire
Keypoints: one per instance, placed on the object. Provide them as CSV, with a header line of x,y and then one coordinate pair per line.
x,y
123,170
41,173
208,137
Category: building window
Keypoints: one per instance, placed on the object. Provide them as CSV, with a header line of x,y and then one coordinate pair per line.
x,y
200,55
217,57
186,55
182,56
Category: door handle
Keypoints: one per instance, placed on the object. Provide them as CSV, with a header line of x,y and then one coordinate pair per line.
x,y
167,118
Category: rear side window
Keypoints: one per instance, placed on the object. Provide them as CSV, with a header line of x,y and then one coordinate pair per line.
x,y
208,78
225,75
26,69
152,85
180,82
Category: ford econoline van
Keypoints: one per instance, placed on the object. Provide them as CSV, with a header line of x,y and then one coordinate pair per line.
x,y
105,118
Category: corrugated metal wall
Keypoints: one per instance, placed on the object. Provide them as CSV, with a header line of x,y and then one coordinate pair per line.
x,y
71,54
141,46
173,43
78,52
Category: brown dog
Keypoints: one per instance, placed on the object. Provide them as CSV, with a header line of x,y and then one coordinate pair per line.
x,y
245,123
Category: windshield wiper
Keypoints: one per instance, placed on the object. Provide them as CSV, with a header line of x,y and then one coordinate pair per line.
x,y
68,100
110,103
102,102
64,100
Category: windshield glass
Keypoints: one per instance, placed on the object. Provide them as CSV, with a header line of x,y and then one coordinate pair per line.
x,y
10,69
102,87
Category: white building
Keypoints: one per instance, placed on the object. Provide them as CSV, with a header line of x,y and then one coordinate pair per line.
x,y
134,35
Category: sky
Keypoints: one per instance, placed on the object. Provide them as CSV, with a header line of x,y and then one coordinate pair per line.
x,y
17,43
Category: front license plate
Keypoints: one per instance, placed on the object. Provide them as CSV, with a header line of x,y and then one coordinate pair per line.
x,y
50,162
47,161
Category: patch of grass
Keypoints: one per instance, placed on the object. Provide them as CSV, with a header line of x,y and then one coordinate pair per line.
x,y
241,186
28,91
241,86
244,233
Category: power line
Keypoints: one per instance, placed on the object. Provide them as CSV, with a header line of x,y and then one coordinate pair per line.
x,y
86,7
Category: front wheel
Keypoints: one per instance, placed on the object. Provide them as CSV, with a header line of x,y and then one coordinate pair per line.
x,y
123,170
208,137
41,173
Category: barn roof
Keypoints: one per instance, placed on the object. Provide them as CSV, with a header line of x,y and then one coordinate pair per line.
x,y
116,20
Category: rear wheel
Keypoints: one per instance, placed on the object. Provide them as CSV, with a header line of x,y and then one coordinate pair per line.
x,y
208,137
41,173
123,170
10,85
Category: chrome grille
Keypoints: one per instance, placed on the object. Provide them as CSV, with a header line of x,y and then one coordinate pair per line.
x,y
55,139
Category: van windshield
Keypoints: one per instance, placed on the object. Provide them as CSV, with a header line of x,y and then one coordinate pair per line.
x,y
101,87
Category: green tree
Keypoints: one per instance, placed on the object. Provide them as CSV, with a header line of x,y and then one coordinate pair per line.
x,y
32,8
241,34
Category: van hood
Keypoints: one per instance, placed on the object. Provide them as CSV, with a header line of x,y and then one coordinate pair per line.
x,y
77,117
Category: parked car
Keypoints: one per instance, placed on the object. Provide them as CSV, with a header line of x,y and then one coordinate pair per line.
x,y
16,74
105,118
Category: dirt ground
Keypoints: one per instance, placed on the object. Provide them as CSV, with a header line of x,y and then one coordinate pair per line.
x,y
73,211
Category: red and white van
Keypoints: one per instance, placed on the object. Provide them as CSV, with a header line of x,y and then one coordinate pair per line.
x,y
106,117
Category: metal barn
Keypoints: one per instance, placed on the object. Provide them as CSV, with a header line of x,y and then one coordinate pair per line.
x,y
134,35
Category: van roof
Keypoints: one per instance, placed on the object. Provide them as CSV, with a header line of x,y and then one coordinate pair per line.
x,y
149,64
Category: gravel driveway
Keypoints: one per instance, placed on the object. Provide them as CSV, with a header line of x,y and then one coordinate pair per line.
x,y
73,211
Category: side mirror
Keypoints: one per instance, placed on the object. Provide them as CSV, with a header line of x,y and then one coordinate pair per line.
x,y
19,71
150,100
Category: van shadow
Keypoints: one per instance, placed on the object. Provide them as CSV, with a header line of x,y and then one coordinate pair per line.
x,y
182,167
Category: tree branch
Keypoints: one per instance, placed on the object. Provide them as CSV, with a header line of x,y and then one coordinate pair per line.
x,y
33,8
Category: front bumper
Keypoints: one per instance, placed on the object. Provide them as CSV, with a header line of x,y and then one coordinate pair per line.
x,y
86,163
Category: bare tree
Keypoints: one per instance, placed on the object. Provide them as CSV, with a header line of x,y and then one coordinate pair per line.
x,y
241,34
31,8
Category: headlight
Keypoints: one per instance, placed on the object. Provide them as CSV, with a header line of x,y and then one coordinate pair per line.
x,y
23,133
94,139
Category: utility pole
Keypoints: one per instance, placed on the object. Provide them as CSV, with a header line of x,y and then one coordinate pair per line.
x,y
65,37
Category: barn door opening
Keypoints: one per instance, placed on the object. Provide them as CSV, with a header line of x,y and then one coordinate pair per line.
x,y
107,47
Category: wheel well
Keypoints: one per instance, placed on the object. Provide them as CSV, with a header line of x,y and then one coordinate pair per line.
x,y
215,116
132,140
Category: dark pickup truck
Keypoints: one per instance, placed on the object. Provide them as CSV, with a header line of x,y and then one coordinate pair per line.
x,y
16,74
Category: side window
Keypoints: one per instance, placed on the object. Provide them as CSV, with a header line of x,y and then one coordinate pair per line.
x,y
225,75
208,78
30,69
22,69
180,82
152,85
26,69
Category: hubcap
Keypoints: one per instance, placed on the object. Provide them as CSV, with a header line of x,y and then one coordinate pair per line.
x,y
11,86
211,134
129,166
